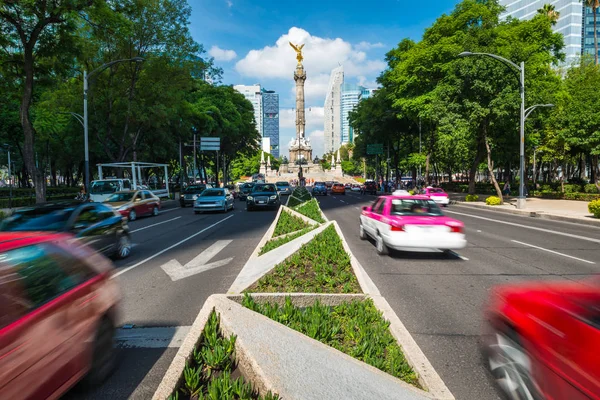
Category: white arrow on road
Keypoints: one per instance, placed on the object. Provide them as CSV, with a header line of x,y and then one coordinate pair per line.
x,y
176,271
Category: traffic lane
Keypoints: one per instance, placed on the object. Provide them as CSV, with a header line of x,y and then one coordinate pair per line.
x,y
151,298
440,298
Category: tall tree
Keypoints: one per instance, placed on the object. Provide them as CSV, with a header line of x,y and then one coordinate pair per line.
x,y
594,4
550,12
36,29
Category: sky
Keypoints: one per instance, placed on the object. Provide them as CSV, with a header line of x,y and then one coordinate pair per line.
x,y
248,39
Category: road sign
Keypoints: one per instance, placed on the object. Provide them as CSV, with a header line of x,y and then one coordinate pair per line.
x,y
210,143
373,149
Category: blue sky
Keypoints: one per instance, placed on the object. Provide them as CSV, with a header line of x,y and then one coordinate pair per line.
x,y
248,39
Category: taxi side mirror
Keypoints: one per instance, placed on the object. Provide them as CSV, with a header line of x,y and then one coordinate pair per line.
x,y
366,208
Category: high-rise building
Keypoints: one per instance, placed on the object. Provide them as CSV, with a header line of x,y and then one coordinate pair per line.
x,y
588,30
351,94
569,22
270,107
333,119
253,94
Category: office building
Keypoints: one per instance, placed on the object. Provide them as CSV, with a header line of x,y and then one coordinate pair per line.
x,y
351,95
333,119
270,107
569,22
588,30
253,94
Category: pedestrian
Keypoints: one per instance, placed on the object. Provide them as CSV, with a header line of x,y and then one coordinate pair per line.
x,y
506,189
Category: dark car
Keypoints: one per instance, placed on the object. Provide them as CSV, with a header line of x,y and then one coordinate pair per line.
x,y
319,188
371,187
245,190
329,184
94,224
191,193
263,196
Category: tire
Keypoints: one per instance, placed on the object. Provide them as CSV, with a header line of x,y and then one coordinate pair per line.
x,y
132,215
225,209
181,204
510,366
104,354
155,211
232,206
249,208
123,247
362,234
380,245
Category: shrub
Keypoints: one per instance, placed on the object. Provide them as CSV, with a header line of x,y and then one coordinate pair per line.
x,y
299,196
311,210
581,196
590,188
288,223
572,188
472,197
594,208
493,201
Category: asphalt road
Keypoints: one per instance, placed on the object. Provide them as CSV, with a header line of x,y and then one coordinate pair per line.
x,y
440,298
151,299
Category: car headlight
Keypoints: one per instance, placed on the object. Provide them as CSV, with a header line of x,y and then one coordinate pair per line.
x,y
273,197
250,197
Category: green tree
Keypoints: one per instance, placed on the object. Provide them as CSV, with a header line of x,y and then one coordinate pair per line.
x,y
550,12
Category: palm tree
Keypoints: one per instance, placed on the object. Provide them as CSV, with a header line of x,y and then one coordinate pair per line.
x,y
594,4
549,11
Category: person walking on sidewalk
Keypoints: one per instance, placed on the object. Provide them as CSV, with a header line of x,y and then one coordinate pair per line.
x,y
506,189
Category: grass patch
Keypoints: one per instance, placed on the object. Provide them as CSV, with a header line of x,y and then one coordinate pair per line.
x,y
311,210
356,328
210,374
320,266
289,223
299,196
275,243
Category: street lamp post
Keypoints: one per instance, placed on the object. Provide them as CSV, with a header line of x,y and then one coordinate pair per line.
x,y
86,78
521,69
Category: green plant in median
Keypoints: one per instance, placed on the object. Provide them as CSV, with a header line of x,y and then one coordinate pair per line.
x,y
299,196
356,328
320,266
207,375
493,201
311,210
594,208
288,223
275,243
471,197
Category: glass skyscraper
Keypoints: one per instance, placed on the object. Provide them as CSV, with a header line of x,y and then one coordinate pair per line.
x,y
270,107
569,22
351,94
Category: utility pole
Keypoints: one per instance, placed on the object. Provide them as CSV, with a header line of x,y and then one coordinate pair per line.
x,y
194,158
419,146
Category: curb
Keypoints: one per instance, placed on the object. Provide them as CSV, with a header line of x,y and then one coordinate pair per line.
x,y
531,213
301,216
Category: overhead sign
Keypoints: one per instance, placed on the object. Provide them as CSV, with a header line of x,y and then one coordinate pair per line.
x,y
373,149
210,144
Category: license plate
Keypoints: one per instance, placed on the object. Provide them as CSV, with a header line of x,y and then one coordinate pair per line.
x,y
261,202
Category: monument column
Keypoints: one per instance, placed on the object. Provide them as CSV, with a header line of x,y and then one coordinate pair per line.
x,y
300,147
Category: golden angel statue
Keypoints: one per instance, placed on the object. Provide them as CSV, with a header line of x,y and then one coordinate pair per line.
x,y
298,51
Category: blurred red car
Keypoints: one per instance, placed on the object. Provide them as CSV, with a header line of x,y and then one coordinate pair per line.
x,y
58,310
545,340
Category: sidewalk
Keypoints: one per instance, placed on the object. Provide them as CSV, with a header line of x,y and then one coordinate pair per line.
x,y
553,209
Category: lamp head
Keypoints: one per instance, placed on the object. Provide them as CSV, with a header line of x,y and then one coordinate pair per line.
x,y
465,54
138,59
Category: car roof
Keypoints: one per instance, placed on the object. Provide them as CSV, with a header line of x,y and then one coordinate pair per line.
x,y
281,182
14,240
407,197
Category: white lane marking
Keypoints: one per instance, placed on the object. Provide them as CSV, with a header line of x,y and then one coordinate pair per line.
x,y
343,201
169,210
151,338
158,223
455,254
528,227
170,247
176,271
553,252
478,230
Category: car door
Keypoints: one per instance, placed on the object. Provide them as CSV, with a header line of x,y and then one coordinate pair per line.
x,y
378,217
151,201
139,205
85,229
368,217
35,357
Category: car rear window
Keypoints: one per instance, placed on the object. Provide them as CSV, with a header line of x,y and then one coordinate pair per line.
x,y
194,189
436,190
415,207
212,192
264,188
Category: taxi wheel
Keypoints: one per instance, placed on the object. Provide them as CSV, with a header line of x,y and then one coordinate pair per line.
x,y
104,356
132,215
380,245
155,211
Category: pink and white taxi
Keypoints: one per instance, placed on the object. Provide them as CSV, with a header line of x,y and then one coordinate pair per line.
x,y
410,223
438,195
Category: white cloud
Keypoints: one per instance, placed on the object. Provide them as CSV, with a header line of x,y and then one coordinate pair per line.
x,y
220,54
229,3
368,46
321,55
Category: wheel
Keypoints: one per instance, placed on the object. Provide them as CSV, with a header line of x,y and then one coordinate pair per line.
x,y
232,206
225,209
124,247
510,366
104,355
380,245
132,215
362,234
155,211
250,208
182,204
344,193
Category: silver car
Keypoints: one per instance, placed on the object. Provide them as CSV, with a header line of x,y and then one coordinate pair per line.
x,y
216,199
191,193
283,188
